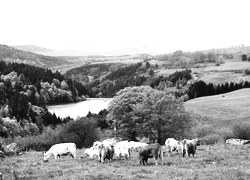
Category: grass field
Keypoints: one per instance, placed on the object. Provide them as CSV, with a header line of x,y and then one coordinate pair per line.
x,y
230,106
216,116
219,161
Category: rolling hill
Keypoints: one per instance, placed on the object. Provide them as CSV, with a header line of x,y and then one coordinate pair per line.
x,y
33,48
11,54
216,116
225,107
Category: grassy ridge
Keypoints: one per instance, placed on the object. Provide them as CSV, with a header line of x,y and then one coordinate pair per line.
x,y
221,161
223,107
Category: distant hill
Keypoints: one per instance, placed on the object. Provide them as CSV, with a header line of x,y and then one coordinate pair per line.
x,y
120,52
33,48
11,54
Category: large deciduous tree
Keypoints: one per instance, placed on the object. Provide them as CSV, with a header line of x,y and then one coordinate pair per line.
x,y
143,111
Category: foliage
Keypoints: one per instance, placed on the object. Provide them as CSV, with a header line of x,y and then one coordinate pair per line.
x,y
242,131
117,80
25,90
55,87
180,59
244,57
145,111
100,118
178,76
200,88
247,71
83,132
124,71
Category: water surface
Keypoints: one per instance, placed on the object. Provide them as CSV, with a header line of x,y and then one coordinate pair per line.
x,y
80,109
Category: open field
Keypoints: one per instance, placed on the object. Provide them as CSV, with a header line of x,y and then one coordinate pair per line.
x,y
230,106
216,116
219,161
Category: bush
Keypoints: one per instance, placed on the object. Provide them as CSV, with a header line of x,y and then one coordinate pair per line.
x,y
83,132
247,71
244,57
204,131
211,139
241,131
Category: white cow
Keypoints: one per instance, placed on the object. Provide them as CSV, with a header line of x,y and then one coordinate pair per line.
x,y
173,145
91,152
136,146
122,149
111,141
97,144
105,152
61,149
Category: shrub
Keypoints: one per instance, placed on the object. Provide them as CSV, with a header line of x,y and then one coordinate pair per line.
x,y
244,57
241,131
204,130
247,71
211,139
83,132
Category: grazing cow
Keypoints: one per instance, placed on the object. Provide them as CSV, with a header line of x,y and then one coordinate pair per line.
x,y
173,145
189,146
106,152
237,141
149,151
61,149
122,149
91,152
97,144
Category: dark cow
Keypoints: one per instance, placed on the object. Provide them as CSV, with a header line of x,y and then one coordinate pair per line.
x,y
149,151
106,152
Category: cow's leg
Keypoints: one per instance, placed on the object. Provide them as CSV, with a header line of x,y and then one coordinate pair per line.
x,y
156,160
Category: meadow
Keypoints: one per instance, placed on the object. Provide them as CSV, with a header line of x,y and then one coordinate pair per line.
x,y
219,161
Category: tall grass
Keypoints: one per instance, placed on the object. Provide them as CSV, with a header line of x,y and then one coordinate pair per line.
x,y
242,131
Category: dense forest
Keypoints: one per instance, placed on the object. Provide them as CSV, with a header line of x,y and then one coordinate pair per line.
x,y
24,92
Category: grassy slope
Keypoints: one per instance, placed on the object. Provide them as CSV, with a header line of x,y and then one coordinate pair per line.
x,y
217,115
229,106
211,162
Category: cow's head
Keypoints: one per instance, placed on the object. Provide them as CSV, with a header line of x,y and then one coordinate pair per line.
x,y
45,157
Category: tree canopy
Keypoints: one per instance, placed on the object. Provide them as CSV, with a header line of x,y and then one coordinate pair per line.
x,y
144,111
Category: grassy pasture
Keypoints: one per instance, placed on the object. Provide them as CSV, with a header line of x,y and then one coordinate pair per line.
x,y
220,161
225,107
223,77
216,116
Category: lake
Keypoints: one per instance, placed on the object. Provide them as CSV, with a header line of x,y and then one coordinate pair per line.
x,y
80,109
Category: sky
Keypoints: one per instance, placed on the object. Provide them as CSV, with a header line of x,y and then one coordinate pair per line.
x,y
159,26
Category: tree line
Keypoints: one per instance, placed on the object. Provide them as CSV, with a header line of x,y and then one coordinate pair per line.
x,y
200,88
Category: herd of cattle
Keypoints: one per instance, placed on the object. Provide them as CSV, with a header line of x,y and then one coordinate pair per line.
x,y
113,148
